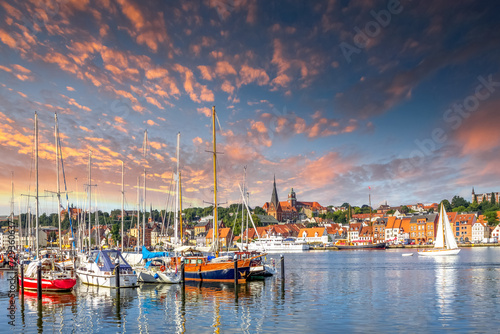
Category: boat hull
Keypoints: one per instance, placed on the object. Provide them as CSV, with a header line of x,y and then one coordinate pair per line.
x,y
224,274
55,285
108,281
439,252
381,245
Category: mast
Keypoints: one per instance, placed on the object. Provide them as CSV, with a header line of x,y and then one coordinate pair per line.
x,y
138,213
36,196
144,211
180,209
177,200
123,205
90,200
56,134
216,221
97,232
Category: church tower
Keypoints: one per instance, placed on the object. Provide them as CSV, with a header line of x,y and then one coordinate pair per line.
x,y
292,200
274,206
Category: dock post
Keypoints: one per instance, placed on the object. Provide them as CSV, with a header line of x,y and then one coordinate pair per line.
x,y
282,261
22,277
183,275
117,273
39,281
235,270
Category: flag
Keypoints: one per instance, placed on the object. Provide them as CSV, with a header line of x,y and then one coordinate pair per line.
x,y
370,188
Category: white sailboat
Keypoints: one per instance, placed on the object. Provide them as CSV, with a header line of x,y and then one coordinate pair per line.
x,y
445,243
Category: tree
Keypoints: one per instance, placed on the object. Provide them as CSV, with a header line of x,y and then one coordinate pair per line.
x,y
116,233
492,218
447,205
460,209
259,211
390,212
493,198
459,201
345,205
404,209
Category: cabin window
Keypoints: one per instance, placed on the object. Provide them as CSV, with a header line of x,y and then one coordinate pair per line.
x,y
200,261
193,261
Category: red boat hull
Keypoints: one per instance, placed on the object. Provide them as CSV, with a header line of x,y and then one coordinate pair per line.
x,y
49,285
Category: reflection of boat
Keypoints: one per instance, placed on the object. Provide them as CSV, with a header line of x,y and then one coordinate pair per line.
x,y
277,244
63,298
99,269
445,243
344,244
54,278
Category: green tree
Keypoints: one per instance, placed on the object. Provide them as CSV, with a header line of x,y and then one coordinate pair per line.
x,y
259,211
460,209
493,198
345,205
459,201
447,205
116,233
492,218
390,212
404,209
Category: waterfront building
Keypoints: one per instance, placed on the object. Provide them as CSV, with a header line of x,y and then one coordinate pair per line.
x,y
314,234
480,230
225,237
423,228
462,226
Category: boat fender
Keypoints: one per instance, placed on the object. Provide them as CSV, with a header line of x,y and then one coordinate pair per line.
x,y
162,268
156,276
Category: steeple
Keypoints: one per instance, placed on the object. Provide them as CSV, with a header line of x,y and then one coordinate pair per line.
x,y
473,191
274,196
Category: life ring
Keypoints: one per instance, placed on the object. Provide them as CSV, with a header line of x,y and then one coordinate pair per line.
x,y
162,268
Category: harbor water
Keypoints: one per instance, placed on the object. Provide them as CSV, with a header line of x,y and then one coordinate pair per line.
x,y
373,291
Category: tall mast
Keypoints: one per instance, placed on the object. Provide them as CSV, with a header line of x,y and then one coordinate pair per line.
x,y
56,134
138,213
144,211
97,234
177,200
180,208
123,205
36,196
90,200
145,152
12,207
216,221
78,213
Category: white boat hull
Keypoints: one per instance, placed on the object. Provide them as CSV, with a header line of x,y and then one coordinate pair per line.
x,y
275,246
147,276
109,281
439,252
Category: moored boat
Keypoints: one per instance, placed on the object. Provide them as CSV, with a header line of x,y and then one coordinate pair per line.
x,y
99,269
344,244
54,277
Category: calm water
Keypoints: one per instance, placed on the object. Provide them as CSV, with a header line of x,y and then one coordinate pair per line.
x,y
324,292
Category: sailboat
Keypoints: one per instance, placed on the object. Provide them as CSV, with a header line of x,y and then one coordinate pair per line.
x,y
54,277
445,243
197,266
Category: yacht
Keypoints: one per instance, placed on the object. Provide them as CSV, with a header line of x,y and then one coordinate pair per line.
x,y
99,269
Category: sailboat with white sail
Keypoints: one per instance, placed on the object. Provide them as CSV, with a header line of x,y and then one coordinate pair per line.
x,y
445,243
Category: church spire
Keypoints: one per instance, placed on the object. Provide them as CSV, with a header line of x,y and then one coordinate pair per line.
x,y
274,196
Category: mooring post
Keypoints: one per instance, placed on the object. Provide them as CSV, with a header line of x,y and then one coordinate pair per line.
x,y
183,275
282,267
22,276
235,270
117,273
39,281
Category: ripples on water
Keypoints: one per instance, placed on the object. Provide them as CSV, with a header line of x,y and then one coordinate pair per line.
x,y
324,292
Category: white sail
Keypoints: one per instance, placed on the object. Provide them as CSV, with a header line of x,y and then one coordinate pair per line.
x,y
449,237
439,241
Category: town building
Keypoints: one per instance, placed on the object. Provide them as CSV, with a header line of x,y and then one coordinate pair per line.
x,y
485,196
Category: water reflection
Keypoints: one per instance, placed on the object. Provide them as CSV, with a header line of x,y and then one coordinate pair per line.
x,y
446,286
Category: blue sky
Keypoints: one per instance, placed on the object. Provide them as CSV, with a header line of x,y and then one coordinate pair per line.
x,y
329,96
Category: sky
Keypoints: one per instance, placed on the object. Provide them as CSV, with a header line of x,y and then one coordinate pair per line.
x,y
329,97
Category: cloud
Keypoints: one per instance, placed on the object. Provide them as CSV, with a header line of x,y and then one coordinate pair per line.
x,y
249,75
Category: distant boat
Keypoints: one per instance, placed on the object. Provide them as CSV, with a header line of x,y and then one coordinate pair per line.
x,y
344,244
445,243
277,244
407,254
